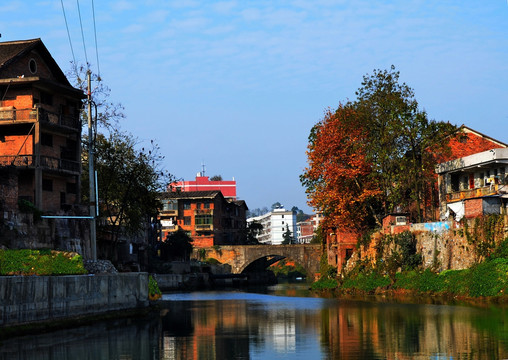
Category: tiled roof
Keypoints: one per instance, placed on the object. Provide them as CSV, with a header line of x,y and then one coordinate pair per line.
x,y
9,50
191,194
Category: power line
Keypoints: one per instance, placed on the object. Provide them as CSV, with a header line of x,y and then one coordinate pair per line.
x,y
96,47
69,35
82,34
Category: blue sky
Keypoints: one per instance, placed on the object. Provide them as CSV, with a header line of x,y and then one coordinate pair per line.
x,y
238,84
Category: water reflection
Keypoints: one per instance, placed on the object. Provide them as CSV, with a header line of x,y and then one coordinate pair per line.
x,y
236,325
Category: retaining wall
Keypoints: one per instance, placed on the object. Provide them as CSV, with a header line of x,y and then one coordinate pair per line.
x,y
28,299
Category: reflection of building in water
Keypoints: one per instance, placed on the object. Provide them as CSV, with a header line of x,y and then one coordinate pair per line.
x,y
283,334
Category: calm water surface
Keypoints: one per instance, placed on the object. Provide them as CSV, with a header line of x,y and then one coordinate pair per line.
x,y
282,323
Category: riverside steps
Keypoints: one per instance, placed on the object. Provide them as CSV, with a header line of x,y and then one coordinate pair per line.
x,y
35,299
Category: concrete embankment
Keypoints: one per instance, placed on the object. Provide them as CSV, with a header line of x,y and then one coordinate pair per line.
x,y
31,299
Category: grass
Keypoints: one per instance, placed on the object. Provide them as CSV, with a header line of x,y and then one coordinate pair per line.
x,y
40,262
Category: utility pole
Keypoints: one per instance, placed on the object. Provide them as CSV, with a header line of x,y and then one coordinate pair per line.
x,y
91,172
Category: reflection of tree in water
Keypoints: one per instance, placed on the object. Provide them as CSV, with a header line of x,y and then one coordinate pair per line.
x,y
177,320
374,330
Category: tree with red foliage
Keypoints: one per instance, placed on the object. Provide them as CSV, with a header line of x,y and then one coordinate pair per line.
x,y
338,177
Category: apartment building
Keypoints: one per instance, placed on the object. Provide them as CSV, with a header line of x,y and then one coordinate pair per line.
x,y
207,216
275,224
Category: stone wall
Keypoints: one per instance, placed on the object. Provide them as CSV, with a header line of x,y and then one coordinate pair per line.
x,y
29,299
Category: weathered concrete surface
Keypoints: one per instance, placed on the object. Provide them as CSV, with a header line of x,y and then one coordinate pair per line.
x,y
240,256
28,299
168,282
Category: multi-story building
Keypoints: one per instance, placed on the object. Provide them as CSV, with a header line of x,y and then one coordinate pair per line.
x,y
40,129
305,230
207,216
203,183
275,224
474,185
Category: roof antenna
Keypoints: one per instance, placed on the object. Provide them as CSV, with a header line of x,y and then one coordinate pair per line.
x,y
203,168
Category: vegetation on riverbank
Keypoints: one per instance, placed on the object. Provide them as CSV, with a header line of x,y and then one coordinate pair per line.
x,y
154,293
40,262
486,279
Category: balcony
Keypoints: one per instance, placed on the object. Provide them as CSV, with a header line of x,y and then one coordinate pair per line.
x,y
203,212
204,227
17,116
170,228
47,162
168,213
473,193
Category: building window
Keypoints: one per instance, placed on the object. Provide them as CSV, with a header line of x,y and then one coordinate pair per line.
x,y
203,220
46,139
207,205
283,216
282,222
186,220
168,205
32,65
47,184
186,205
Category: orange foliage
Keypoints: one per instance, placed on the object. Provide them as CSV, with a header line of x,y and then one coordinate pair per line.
x,y
337,177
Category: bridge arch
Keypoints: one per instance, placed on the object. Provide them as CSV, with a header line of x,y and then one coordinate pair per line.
x,y
240,256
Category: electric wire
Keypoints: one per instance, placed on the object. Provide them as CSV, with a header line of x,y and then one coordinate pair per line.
x,y
82,35
69,36
96,47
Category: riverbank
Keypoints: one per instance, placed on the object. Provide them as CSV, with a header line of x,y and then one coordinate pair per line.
x,y
35,299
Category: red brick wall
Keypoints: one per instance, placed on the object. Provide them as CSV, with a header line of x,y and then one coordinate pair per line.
x,y
468,143
13,145
473,208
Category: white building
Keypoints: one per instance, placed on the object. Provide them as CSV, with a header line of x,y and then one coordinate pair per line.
x,y
275,224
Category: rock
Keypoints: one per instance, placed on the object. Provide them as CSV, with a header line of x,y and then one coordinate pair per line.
x,y
99,267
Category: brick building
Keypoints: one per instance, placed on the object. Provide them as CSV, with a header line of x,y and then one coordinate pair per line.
x,y
40,130
207,216
474,185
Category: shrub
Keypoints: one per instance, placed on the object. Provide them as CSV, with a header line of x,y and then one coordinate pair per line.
x,y
324,284
154,293
489,278
367,282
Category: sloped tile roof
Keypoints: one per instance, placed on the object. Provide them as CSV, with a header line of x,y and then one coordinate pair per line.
x,y
10,50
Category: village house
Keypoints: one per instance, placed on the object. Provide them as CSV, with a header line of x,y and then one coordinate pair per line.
x,y
40,130
471,183
207,216
40,150
474,185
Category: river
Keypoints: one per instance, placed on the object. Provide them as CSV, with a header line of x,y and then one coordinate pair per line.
x,y
281,322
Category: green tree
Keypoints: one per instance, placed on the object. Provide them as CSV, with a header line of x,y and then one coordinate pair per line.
x,y
254,229
399,134
129,182
177,246
287,236
216,178
372,156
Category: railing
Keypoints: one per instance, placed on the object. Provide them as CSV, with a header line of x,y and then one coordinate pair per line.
x,y
203,212
473,193
47,162
19,160
169,212
204,227
170,228
10,114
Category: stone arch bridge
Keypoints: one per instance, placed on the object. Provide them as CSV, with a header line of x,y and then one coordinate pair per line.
x,y
245,257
